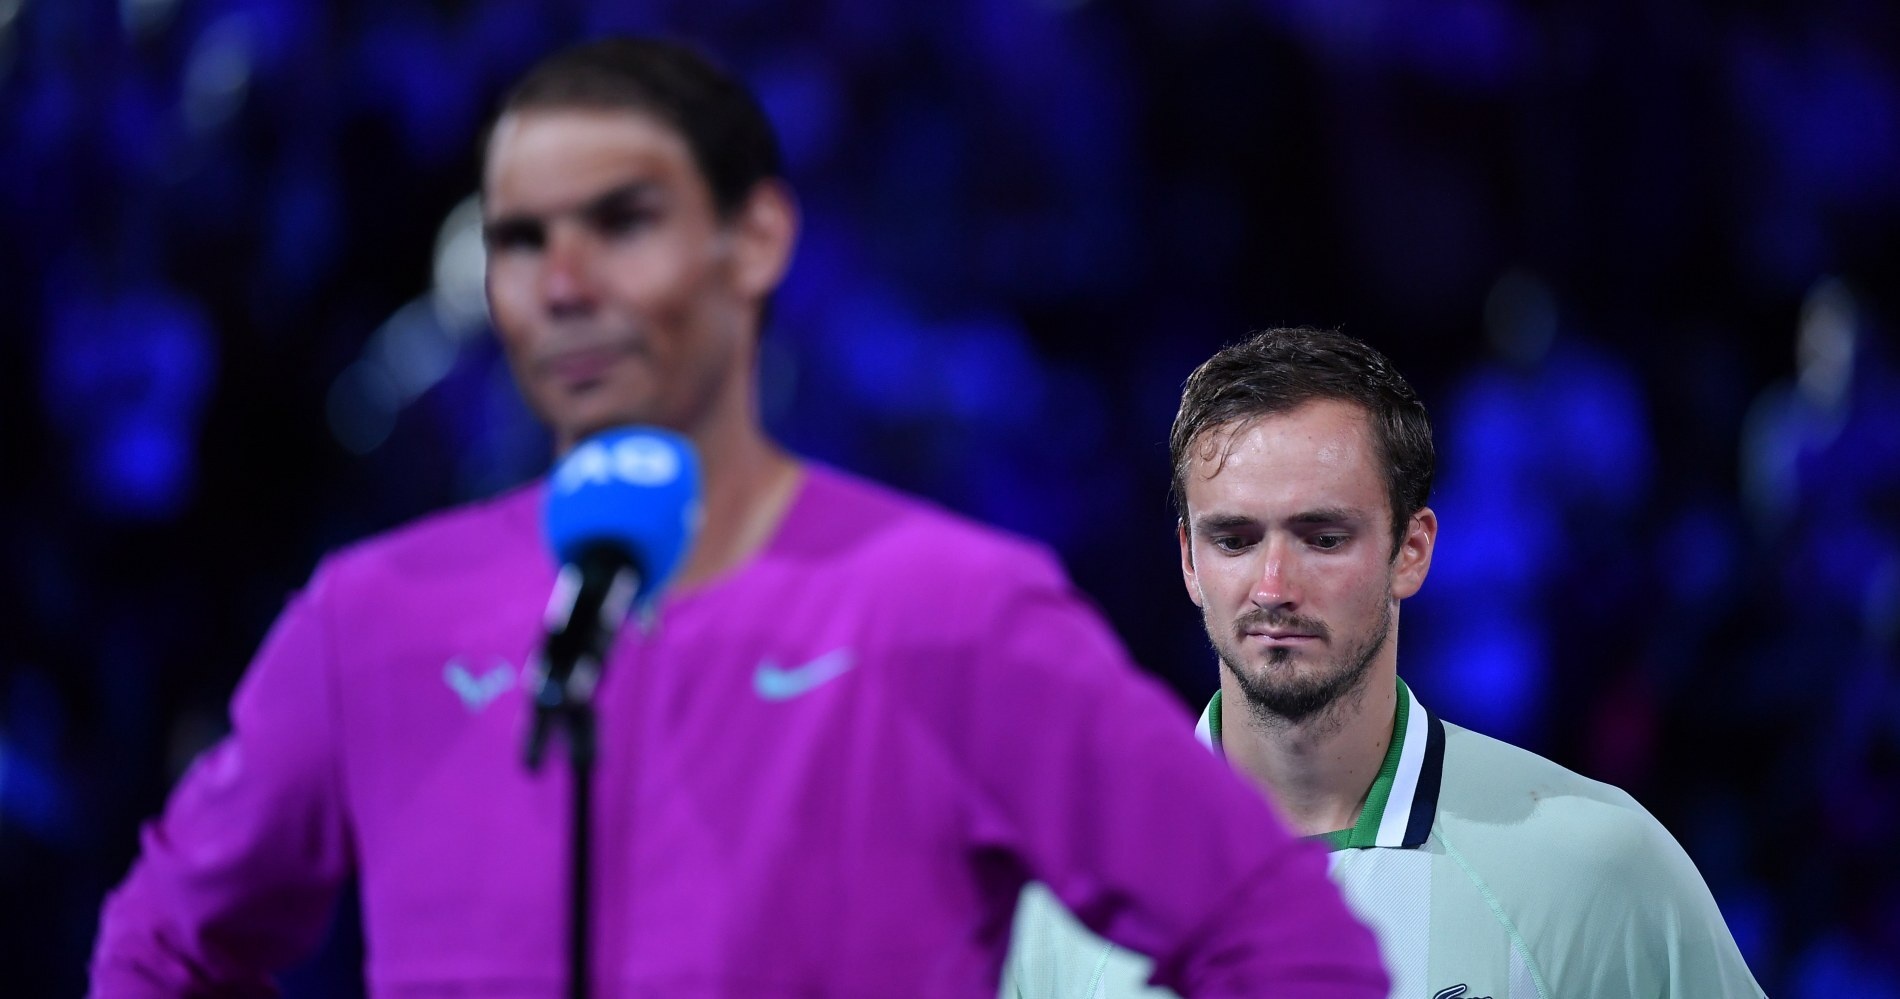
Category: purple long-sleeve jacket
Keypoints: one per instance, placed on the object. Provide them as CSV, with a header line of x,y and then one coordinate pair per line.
x,y
826,774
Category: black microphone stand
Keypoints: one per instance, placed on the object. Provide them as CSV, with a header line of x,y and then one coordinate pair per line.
x,y
590,601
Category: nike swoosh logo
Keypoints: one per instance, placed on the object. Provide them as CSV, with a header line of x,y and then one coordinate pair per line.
x,y
477,692
774,683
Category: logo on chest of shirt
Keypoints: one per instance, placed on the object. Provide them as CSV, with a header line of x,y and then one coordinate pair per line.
x,y
773,682
477,692
1456,992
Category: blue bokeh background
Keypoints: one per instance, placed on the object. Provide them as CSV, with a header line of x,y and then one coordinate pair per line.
x,y
1641,259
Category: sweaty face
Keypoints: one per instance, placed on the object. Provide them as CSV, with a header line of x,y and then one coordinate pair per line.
x,y
611,279
1287,549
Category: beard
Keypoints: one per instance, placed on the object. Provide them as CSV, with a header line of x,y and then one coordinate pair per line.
x,y
1276,693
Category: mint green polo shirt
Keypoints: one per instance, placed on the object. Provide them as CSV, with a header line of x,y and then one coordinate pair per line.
x,y
1484,869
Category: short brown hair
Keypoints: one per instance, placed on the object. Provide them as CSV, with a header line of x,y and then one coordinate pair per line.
x,y
1276,370
731,140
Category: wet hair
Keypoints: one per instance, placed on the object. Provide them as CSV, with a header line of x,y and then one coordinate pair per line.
x,y
1277,370
731,140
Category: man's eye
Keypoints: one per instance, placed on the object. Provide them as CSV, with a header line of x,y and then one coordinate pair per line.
x,y
621,221
1229,543
513,238
1328,542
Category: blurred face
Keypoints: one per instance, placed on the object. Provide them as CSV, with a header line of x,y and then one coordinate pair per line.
x,y
619,293
1287,550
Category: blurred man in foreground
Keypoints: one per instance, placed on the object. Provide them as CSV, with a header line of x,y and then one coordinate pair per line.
x,y
830,757
1302,465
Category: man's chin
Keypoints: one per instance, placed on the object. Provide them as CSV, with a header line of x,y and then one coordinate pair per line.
x,y
1294,703
577,423
1293,690
1277,666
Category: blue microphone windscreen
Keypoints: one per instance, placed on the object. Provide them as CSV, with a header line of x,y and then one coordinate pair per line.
x,y
635,487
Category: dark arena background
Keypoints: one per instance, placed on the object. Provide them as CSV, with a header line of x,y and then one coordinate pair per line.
x,y
1642,260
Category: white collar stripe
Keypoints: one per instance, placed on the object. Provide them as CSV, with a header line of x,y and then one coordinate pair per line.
x,y
1398,804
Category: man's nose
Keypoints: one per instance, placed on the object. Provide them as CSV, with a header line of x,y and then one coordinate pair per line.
x,y
567,283
1276,585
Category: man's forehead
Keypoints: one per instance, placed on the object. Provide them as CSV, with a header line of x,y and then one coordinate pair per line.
x,y
551,205
1213,444
553,159
1303,452
1347,424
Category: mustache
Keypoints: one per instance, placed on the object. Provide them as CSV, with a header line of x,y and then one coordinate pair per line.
x,y
589,342
1259,619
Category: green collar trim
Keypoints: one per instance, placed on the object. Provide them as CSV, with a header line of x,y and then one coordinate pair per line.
x,y
1338,839
1403,798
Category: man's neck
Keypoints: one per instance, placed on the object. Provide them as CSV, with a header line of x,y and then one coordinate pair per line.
x,y
1319,770
747,485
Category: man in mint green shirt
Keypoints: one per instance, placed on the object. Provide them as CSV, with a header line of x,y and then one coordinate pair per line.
x,y
1302,465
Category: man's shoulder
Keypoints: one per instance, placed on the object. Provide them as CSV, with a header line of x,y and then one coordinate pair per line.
x,y
459,541
854,516
1607,901
1479,767
1499,800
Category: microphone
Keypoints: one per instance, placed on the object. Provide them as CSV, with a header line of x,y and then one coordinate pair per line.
x,y
622,509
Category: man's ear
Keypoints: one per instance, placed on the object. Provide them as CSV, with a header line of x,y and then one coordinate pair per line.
x,y
1414,559
1188,575
764,232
